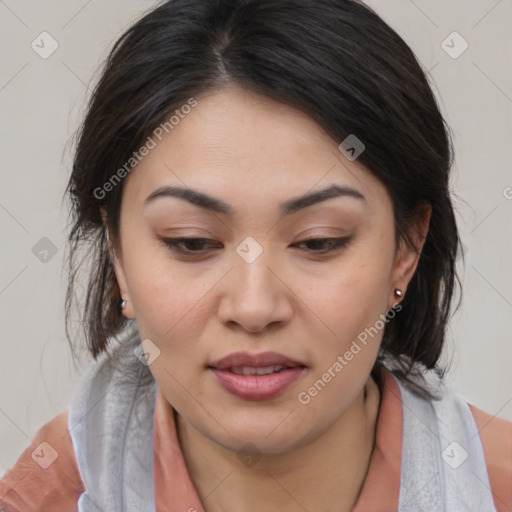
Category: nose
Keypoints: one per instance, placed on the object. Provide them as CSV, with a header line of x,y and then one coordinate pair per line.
x,y
255,296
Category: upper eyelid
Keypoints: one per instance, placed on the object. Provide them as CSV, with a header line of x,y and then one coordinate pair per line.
x,y
177,240
206,239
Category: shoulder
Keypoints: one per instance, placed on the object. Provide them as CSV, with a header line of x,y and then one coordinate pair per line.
x,y
496,437
495,433
45,477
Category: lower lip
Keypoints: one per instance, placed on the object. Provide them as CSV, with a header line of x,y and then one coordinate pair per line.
x,y
257,387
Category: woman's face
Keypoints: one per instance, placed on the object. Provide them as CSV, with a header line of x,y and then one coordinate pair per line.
x,y
256,285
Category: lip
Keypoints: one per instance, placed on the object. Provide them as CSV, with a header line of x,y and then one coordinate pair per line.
x,y
256,387
254,360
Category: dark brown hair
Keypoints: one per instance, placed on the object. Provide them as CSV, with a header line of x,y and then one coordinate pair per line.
x,y
335,60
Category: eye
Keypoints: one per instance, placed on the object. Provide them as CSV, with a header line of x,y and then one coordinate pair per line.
x,y
188,245
195,246
324,245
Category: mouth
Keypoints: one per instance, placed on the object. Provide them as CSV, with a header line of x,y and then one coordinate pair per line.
x,y
256,370
256,376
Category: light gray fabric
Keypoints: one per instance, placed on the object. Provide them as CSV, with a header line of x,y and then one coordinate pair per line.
x,y
111,422
443,464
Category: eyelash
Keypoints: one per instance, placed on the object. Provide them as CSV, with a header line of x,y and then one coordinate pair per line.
x,y
174,244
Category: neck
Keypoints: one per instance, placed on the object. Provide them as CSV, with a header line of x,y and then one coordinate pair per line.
x,y
331,469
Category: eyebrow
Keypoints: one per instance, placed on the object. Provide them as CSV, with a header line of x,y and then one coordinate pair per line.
x,y
216,205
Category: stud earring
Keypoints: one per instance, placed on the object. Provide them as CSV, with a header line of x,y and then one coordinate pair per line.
x,y
398,292
123,304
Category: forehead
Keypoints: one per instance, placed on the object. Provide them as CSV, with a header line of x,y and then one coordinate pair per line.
x,y
245,147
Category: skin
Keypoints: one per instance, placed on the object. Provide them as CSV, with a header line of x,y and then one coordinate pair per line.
x,y
254,153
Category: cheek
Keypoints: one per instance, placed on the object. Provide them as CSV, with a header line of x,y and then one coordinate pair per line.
x,y
171,311
164,294
350,308
168,305
349,302
348,296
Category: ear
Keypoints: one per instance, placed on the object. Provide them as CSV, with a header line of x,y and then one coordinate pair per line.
x,y
117,262
408,254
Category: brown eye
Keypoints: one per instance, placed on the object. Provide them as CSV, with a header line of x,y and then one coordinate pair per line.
x,y
324,245
189,245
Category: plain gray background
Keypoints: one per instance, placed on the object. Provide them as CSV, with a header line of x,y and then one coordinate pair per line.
x,y
42,102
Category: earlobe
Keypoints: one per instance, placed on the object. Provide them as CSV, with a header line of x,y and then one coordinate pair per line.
x,y
124,304
126,310
408,253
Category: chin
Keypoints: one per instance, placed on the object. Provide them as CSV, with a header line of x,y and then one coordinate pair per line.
x,y
265,435
258,444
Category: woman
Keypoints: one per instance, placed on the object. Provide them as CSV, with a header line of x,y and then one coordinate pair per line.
x,y
262,190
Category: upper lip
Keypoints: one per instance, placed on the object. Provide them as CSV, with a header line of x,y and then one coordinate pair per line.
x,y
245,359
